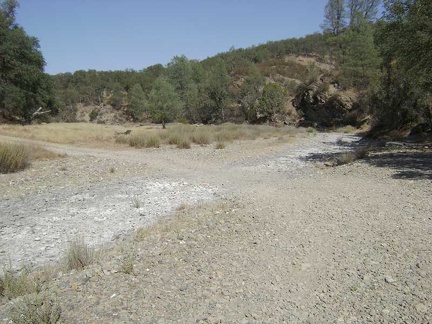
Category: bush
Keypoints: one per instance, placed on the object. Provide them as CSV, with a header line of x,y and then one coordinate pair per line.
x,y
94,114
220,145
152,141
13,157
137,141
349,157
78,255
35,309
15,284
201,138
127,259
184,144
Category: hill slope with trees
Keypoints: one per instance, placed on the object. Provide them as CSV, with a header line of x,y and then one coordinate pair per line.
x,y
358,69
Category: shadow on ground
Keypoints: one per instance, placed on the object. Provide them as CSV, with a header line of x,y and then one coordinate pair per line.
x,y
407,165
411,164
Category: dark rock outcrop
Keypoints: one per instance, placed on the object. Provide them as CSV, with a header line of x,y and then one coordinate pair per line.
x,y
324,105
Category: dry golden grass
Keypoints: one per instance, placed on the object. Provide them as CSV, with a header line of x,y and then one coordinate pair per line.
x,y
184,135
16,157
96,135
65,133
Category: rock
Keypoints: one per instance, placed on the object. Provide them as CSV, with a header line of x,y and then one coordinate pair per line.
x,y
421,308
389,279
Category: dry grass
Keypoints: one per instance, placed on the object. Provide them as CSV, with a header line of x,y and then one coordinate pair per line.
x,y
183,136
14,284
78,255
35,308
95,135
16,157
220,145
127,259
350,157
13,157
347,130
65,133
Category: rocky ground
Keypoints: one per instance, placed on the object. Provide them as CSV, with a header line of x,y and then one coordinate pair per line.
x,y
262,232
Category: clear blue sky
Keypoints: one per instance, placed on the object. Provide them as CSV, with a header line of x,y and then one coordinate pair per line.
x,y
120,34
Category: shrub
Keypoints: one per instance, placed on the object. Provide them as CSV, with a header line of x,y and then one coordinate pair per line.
x,y
15,284
152,141
78,255
175,138
184,144
220,145
13,157
127,259
93,114
137,141
349,157
201,138
123,139
35,308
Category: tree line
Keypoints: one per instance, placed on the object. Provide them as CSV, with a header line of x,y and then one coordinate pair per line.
x,y
386,60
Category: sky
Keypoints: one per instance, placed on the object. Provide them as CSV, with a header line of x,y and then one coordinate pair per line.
x,y
134,34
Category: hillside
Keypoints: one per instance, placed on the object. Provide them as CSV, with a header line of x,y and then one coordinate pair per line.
x,y
229,87
360,69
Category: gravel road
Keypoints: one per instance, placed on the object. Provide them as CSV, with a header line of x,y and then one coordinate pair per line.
x,y
263,232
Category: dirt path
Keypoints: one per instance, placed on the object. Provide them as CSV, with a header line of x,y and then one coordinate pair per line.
x,y
278,239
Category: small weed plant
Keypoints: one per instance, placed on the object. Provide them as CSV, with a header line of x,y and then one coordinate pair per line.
x,y
78,255
127,258
136,202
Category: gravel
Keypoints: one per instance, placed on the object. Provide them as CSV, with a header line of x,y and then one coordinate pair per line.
x,y
265,234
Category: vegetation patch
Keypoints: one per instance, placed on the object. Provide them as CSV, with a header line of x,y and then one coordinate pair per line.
x,y
350,157
16,157
14,284
78,255
184,144
35,308
13,157
127,259
220,145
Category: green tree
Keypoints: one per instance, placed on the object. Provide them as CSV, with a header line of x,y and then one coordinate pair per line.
x,y
271,102
360,10
163,102
409,34
136,102
116,98
404,38
218,92
360,62
24,87
179,72
249,93
334,17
